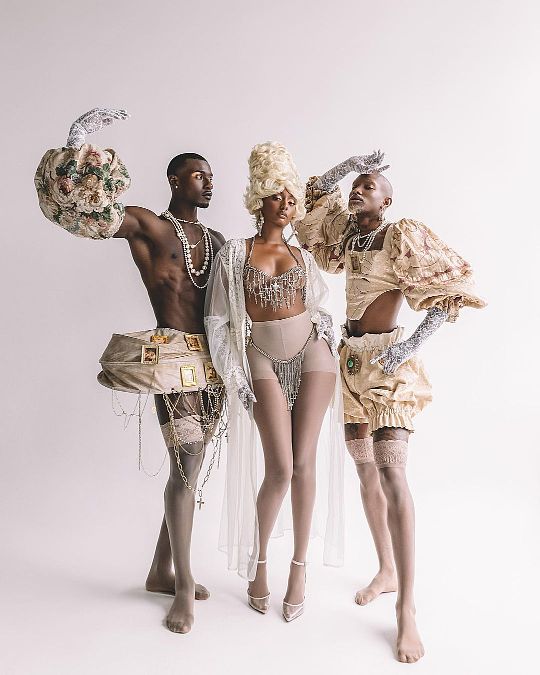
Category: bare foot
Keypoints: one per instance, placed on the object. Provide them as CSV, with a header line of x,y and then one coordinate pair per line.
x,y
409,645
163,582
180,617
383,582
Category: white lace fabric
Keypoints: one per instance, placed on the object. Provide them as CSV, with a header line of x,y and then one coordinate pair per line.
x,y
226,328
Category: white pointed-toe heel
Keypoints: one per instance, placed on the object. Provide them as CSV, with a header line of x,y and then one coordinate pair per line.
x,y
290,611
259,604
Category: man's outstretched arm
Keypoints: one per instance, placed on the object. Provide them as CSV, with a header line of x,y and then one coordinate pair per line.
x,y
79,184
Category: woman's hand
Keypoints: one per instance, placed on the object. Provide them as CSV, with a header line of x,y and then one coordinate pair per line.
x,y
92,121
246,396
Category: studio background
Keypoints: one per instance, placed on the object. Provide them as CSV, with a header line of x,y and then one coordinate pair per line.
x,y
449,92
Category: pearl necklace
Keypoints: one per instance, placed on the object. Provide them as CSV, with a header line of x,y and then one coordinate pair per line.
x,y
369,237
187,247
193,222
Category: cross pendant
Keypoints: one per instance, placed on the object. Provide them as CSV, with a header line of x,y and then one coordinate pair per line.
x,y
200,502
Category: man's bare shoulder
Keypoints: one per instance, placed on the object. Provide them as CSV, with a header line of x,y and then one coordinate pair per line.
x,y
140,221
143,215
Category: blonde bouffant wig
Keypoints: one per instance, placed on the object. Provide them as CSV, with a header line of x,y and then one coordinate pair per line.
x,y
272,170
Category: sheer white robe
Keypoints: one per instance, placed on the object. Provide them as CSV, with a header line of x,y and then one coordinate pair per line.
x,y
226,326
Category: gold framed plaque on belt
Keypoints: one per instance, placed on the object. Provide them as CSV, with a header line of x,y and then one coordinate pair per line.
x,y
158,361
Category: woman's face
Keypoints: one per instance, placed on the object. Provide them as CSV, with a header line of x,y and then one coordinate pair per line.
x,y
279,209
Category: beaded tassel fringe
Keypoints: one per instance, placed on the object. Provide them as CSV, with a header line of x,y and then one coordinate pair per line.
x,y
288,371
276,292
289,375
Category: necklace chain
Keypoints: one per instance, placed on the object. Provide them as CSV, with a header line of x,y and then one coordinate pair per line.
x,y
369,237
187,247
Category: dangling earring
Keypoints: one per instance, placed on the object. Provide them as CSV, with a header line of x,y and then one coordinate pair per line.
x,y
382,210
259,221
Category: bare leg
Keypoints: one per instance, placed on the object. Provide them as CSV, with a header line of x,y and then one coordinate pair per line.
x,y
274,424
161,575
374,502
401,525
308,412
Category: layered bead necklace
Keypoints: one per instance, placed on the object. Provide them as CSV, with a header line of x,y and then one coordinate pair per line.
x,y
365,241
187,247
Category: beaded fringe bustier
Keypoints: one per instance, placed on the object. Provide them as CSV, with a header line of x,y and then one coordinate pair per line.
x,y
276,292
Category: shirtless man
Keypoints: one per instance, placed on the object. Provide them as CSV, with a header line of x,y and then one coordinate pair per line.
x,y
177,297
384,383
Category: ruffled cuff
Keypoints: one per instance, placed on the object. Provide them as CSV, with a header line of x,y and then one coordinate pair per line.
x,y
450,304
78,190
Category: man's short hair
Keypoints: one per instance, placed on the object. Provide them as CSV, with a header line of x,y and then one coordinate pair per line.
x,y
178,161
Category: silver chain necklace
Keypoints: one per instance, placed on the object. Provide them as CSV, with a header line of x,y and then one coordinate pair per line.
x,y
364,246
187,247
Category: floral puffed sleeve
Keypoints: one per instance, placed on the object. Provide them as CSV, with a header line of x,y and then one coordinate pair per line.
x,y
78,190
322,229
430,273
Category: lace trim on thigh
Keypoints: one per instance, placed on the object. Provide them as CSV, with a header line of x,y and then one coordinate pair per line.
x,y
390,453
361,450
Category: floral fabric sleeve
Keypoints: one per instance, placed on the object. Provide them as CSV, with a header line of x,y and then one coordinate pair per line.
x,y
321,230
430,273
78,190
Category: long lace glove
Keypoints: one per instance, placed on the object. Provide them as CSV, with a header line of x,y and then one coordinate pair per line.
x,y
358,164
92,121
325,329
245,394
392,357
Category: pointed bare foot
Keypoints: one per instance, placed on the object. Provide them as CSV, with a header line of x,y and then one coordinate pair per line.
x,y
163,582
409,645
180,617
383,582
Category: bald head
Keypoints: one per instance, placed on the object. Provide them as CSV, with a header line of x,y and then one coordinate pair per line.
x,y
382,182
370,194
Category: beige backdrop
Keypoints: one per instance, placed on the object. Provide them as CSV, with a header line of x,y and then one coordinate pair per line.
x,y
449,91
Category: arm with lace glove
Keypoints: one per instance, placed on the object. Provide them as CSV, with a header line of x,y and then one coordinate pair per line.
x,y
79,184
325,329
392,357
358,164
90,122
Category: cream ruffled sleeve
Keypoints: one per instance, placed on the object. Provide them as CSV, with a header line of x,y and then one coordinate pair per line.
x,y
322,229
78,190
430,273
